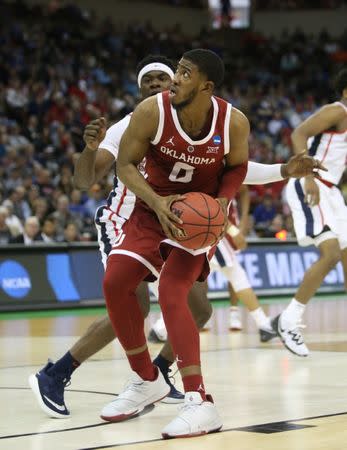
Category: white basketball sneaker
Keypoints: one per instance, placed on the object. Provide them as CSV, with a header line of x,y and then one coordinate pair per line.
x,y
235,323
158,331
196,417
291,336
137,394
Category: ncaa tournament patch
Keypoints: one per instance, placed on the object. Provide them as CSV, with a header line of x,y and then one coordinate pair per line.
x,y
217,140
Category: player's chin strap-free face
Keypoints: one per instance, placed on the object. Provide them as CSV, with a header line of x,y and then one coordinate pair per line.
x,y
151,67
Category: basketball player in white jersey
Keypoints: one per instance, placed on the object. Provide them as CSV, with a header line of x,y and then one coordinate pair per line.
x,y
318,208
154,75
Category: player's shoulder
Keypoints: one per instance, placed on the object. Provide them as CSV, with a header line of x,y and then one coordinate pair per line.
x,y
148,107
120,125
238,120
337,109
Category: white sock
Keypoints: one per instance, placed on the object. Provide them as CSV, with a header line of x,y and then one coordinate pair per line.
x,y
293,313
261,319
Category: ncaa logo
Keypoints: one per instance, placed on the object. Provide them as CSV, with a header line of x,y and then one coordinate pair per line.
x,y
190,148
217,140
14,279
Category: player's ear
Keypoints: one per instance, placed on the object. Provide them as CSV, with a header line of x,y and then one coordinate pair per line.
x,y
208,87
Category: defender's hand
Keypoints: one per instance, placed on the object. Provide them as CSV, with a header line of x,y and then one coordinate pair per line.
x,y
162,207
301,165
311,192
94,133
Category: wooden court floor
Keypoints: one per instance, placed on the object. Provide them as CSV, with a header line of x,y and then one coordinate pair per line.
x,y
268,398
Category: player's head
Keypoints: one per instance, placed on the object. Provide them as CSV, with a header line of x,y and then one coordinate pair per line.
x,y
154,74
198,73
341,83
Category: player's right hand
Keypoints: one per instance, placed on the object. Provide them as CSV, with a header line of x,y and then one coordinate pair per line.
x,y
311,191
94,133
167,219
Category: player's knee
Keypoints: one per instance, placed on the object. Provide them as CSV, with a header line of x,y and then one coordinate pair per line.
x,y
202,315
108,284
170,295
113,286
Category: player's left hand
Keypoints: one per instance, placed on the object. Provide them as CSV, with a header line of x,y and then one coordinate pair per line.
x,y
224,204
301,165
168,220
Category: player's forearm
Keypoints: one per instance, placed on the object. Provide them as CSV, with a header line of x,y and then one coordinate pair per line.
x,y
244,202
299,140
84,171
258,173
231,181
136,183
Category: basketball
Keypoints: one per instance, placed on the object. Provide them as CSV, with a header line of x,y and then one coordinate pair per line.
x,y
203,220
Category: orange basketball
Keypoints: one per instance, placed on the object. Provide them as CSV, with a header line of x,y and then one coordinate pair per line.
x,y
203,220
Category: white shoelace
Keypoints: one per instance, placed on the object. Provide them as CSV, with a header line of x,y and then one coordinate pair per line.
x,y
188,407
131,385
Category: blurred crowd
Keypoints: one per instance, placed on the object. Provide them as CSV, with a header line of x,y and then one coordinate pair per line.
x,y
298,4
260,5
62,67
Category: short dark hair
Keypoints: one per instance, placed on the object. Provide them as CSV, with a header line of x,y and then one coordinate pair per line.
x,y
341,81
208,62
155,59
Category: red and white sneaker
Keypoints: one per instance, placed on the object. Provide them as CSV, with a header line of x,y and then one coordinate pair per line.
x,y
196,417
137,394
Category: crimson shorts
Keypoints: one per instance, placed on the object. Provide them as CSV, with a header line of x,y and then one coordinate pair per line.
x,y
143,239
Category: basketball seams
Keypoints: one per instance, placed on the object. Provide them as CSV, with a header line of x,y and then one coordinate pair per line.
x,y
208,218
193,209
200,210
188,238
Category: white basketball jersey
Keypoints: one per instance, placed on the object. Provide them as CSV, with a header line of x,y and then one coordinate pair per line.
x,y
120,201
331,149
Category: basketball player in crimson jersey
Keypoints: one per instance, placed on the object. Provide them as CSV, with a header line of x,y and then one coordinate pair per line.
x,y
174,132
318,208
154,75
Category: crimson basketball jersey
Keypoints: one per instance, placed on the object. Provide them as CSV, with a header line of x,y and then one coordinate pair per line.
x,y
176,163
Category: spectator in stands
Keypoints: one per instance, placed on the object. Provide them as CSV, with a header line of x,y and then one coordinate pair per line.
x,y
49,230
12,221
31,234
95,200
63,216
264,212
5,232
77,206
41,208
71,233
276,225
21,207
